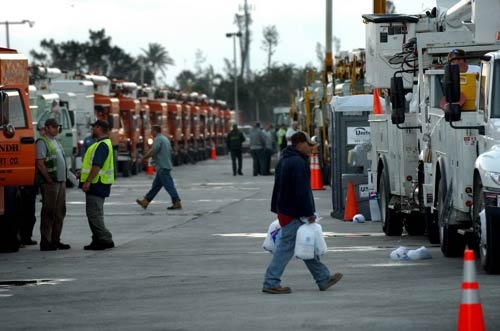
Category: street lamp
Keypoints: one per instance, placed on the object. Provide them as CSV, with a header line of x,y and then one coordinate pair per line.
x,y
7,23
234,35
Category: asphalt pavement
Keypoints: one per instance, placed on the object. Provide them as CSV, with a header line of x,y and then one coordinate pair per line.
x,y
201,268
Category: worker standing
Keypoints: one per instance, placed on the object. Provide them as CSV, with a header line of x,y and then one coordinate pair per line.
x,y
97,176
234,141
51,172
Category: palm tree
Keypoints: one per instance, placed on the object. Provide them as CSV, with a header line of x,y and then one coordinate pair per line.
x,y
158,58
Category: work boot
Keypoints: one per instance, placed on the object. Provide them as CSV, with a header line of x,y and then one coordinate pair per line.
x,y
143,202
175,205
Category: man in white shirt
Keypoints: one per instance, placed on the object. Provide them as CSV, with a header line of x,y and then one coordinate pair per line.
x,y
290,131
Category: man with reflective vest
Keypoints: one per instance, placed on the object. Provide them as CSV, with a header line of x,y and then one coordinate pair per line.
x,y
96,177
51,175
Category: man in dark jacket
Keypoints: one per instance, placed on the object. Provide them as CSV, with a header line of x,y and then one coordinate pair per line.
x,y
293,200
234,141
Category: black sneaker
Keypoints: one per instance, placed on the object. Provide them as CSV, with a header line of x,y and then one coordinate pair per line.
x,y
98,246
48,247
61,245
28,242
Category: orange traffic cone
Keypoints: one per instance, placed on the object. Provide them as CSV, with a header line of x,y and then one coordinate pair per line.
x,y
213,154
351,205
316,178
470,313
377,106
150,170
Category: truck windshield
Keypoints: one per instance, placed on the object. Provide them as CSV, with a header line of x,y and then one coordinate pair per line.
x,y
495,96
12,111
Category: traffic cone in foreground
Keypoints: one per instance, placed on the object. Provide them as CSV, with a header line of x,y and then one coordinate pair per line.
x,y
213,153
377,106
150,170
351,205
316,178
470,313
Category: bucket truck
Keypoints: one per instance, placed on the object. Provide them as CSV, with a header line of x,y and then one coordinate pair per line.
x,y
435,159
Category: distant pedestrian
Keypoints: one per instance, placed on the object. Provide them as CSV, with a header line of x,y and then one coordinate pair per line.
x,y
51,175
268,150
281,137
161,152
234,141
292,199
257,144
96,177
290,131
27,213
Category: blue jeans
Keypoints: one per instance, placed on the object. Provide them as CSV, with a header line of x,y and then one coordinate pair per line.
x,y
285,250
163,179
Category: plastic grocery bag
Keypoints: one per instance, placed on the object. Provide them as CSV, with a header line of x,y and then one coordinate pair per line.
x,y
272,234
305,241
421,253
319,240
400,253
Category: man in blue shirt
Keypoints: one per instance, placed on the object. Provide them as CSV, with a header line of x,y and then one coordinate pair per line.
x,y
96,178
161,152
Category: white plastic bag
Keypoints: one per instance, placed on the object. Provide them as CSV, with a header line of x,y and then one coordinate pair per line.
x,y
305,242
421,253
319,240
400,253
272,233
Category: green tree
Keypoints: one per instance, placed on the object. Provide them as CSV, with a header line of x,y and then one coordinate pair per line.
x,y
270,42
158,58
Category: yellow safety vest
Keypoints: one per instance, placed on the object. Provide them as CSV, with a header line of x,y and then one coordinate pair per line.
x,y
107,173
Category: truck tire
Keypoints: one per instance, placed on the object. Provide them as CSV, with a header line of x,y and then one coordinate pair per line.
x,y
415,224
432,227
486,244
452,244
391,220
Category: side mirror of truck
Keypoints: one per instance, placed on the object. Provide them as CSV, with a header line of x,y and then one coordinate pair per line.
x,y
397,100
452,111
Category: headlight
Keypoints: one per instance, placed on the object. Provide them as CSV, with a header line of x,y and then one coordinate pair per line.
x,y
495,176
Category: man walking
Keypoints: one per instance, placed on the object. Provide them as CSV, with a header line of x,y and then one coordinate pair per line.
x,y
97,176
234,141
51,174
292,199
161,152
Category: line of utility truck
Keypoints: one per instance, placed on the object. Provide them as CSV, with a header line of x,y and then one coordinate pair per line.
x,y
194,123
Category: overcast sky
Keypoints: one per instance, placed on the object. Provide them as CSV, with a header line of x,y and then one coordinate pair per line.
x,y
184,26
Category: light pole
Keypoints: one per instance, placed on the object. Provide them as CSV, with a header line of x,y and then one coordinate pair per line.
x,y
7,23
234,35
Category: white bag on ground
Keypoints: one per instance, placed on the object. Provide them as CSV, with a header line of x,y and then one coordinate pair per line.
x,y
272,234
309,241
400,253
421,253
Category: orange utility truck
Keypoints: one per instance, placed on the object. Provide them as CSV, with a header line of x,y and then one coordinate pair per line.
x,y
17,142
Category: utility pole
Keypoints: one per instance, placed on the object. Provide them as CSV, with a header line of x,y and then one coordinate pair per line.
x,y
245,42
235,71
7,23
